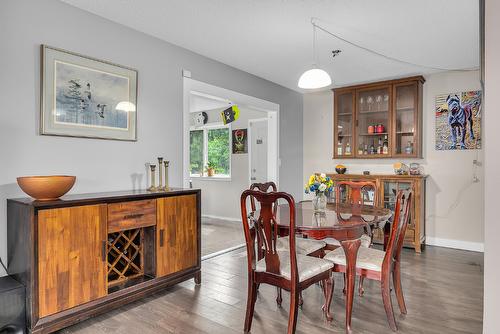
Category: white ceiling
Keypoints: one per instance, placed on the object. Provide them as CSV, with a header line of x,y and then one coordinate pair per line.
x,y
272,38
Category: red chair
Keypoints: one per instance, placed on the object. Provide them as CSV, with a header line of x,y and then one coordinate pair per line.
x,y
381,265
282,269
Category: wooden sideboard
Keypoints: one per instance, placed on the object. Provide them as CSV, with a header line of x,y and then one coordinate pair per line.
x,y
387,186
84,255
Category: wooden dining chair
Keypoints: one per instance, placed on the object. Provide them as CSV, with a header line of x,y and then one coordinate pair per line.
x,y
283,269
354,193
303,246
381,265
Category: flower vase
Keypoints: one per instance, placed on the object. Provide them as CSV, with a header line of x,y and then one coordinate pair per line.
x,y
319,202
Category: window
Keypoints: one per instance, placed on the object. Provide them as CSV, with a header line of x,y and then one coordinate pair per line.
x,y
210,146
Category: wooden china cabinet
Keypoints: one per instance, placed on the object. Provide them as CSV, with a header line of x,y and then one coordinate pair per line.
x,y
379,120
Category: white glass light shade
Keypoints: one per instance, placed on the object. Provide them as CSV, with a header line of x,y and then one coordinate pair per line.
x,y
314,78
125,106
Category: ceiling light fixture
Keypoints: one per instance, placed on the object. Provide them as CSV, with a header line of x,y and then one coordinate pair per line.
x,y
315,77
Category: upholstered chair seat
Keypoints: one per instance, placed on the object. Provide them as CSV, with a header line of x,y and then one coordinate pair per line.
x,y
307,266
368,258
302,246
366,241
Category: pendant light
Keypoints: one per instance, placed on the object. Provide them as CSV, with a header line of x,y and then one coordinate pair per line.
x,y
315,77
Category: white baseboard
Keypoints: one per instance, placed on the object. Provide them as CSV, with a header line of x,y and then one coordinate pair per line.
x,y
223,218
457,244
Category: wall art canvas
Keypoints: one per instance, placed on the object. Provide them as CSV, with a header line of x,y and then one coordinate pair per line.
x,y
458,121
240,141
86,97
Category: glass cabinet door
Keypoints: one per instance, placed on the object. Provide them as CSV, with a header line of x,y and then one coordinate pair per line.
x,y
405,119
373,122
344,125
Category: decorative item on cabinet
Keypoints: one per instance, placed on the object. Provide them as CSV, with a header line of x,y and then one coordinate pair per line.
x,y
400,168
415,169
340,169
162,171
152,186
167,164
44,188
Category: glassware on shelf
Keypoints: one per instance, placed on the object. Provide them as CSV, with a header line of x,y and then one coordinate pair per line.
x,y
378,99
339,148
362,103
348,149
409,148
369,101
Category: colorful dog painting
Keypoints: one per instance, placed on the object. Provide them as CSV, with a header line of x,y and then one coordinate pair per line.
x,y
458,121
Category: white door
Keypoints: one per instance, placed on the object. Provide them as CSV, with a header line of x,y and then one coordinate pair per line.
x,y
258,150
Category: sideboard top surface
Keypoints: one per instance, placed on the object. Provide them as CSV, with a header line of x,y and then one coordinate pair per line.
x,y
102,197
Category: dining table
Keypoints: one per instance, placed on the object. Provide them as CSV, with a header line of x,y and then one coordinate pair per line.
x,y
344,222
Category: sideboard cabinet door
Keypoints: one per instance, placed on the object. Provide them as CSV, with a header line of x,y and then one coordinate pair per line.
x,y
71,263
177,235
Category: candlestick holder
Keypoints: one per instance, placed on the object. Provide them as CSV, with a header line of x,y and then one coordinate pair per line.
x,y
153,180
166,163
160,173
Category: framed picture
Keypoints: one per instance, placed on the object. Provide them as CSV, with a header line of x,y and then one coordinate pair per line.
x,y
240,141
86,97
458,120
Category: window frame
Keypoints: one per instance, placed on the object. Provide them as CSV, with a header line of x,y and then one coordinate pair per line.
x,y
206,128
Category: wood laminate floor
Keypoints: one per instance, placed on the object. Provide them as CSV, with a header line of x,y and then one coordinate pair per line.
x,y
219,234
443,290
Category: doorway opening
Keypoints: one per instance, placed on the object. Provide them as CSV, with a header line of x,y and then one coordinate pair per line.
x,y
220,158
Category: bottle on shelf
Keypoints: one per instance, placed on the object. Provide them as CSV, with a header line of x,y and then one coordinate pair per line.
x,y
366,149
348,149
372,148
339,148
360,149
409,148
385,146
379,147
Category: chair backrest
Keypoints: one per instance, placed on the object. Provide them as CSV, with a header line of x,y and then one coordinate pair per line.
x,y
266,229
398,230
262,187
355,191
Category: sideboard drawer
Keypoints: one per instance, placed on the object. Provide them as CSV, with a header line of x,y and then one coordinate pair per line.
x,y
129,215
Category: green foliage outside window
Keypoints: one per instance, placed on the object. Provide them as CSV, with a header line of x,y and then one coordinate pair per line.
x,y
218,151
196,151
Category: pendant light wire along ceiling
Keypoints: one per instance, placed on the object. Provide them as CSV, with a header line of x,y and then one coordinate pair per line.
x,y
316,25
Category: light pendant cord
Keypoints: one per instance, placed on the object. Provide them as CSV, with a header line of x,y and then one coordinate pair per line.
x,y
315,25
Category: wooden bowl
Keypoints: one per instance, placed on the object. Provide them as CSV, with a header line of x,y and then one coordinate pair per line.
x,y
44,188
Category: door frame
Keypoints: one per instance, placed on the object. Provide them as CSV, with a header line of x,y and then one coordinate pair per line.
x,y
272,149
191,86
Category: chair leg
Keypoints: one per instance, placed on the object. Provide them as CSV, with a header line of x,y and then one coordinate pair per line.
x,y
279,298
396,278
294,309
361,291
251,298
329,285
386,297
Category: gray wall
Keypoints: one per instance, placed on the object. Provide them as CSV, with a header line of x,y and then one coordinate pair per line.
x,y
492,168
108,165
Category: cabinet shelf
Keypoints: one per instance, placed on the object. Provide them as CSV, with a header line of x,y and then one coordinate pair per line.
x,y
373,134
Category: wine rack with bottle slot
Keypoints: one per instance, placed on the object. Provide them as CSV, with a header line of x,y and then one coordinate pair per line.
x,y
379,120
